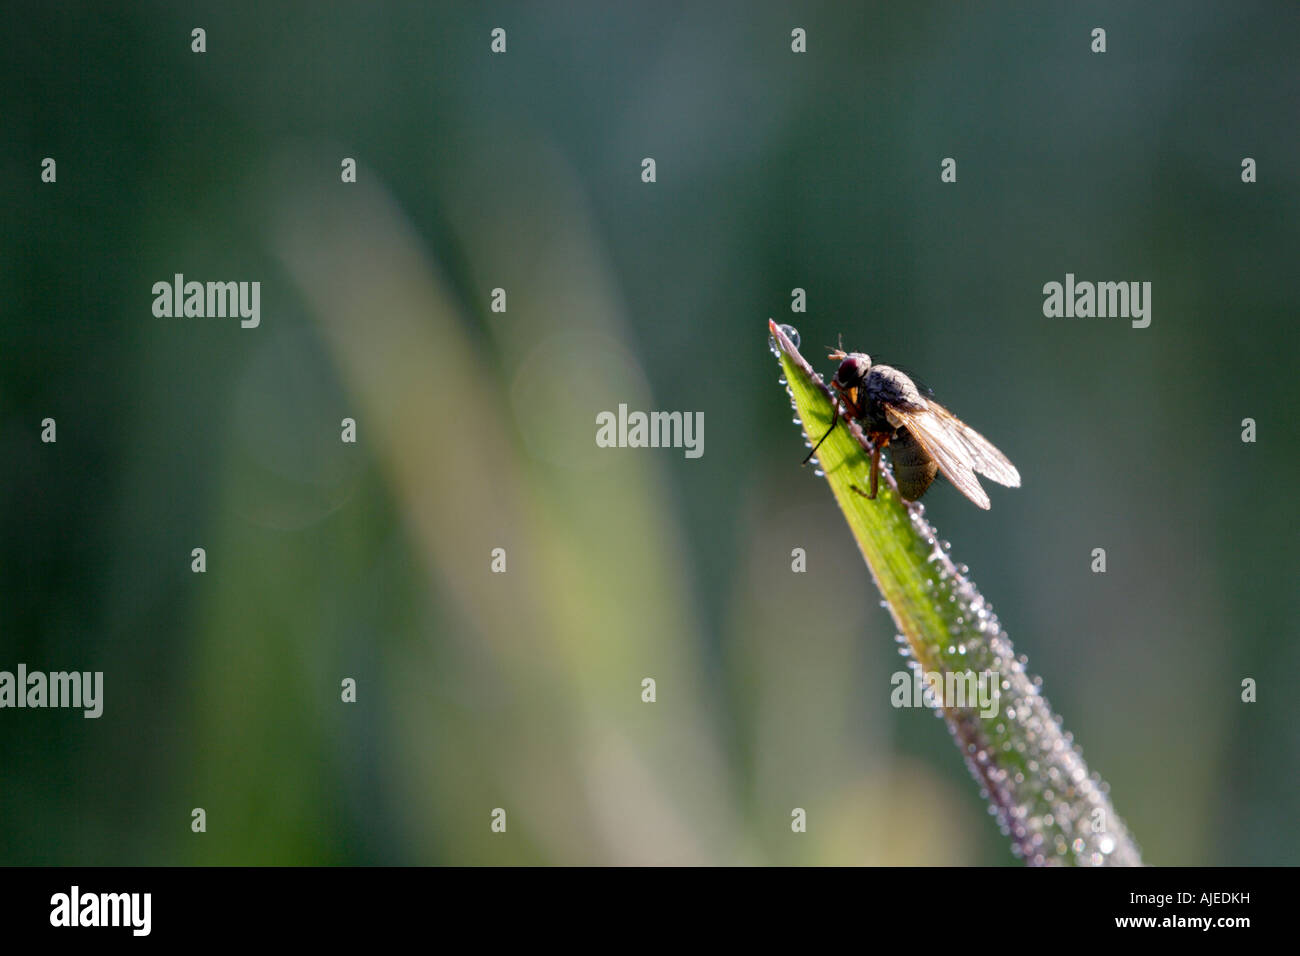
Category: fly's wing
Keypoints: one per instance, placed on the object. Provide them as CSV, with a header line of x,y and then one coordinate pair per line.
x,y
947,446
985,459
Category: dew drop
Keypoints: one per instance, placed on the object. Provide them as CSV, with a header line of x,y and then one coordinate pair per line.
x,y
791,333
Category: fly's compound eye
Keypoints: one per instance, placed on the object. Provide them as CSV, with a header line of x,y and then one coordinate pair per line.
x,y
847,374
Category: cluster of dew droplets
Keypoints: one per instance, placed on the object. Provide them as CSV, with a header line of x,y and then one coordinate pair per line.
x,y
792,334
1032,773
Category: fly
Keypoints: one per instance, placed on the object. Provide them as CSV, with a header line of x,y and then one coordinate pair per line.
x,y
922,436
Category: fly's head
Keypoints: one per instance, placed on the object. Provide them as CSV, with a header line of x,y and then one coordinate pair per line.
x,y
850,376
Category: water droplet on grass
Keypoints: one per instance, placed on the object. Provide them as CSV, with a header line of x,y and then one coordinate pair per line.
x,y
790,332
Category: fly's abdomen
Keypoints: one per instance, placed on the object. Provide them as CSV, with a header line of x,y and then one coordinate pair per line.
x,y
914,469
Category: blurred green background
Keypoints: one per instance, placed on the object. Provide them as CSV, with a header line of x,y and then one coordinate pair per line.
x,y
522,171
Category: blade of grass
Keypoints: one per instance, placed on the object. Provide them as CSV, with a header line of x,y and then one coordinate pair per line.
x,y
1029,769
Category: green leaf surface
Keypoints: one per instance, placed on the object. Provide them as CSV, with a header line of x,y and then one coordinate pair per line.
x,y
1040,790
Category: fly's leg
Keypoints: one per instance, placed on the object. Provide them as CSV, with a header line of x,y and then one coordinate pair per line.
x,y
835,419
875,469
878,441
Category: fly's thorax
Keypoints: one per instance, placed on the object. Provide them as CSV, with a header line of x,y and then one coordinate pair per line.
x,y
888,386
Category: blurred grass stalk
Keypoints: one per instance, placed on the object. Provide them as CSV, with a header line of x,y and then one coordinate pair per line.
x,y
524,689
1030,771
